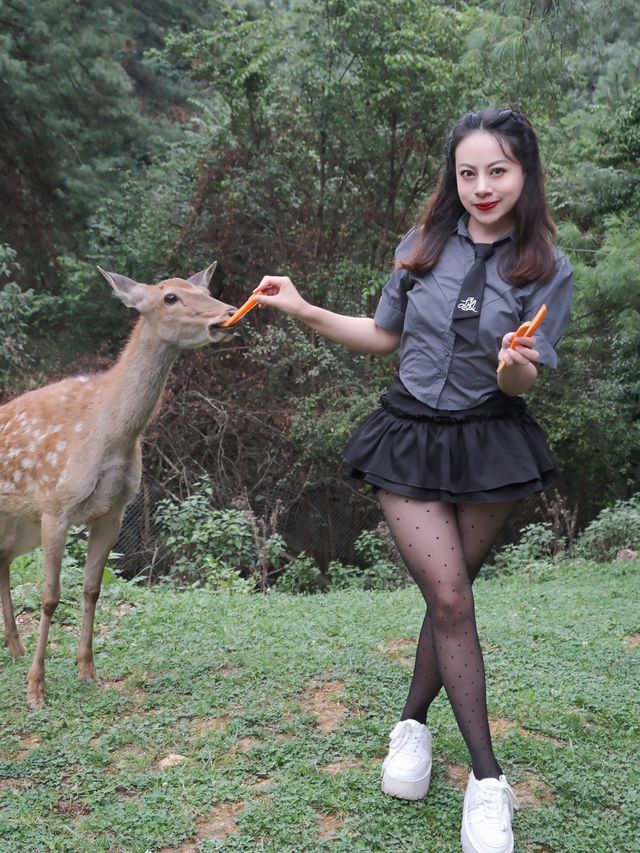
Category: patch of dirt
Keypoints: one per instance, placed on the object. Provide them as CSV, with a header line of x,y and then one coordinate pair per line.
x,y
229,669
170,760
117,684
533,792
27,623
457,776
27,744
500,726
321,701
401,649
263,783
15,782
245,744
330,826
341,766
217,826
202,725
124,609
632,640
73,808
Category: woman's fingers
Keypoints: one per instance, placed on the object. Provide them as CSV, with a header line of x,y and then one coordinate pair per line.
x,y
524,350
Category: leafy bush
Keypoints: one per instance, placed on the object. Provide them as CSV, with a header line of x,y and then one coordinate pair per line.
x,y
614,527
301,575
228,549
537,544
380,570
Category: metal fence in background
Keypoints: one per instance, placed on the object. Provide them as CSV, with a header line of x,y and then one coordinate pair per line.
x,y
323,524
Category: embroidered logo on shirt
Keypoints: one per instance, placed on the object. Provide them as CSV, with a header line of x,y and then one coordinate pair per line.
x,y
469,304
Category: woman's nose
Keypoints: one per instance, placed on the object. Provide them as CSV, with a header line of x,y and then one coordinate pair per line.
x,y
482,185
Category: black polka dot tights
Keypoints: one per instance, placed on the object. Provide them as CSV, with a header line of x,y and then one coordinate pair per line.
x,y
444,546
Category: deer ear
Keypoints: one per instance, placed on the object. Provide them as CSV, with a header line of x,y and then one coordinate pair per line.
x,y
204,278
129,291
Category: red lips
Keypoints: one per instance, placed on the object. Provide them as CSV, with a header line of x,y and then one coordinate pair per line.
x,y
486,205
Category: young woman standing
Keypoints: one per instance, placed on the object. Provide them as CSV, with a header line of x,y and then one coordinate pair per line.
x,y
452,446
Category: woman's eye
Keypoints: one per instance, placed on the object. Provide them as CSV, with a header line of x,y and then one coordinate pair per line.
x,y
466,173
498,171
170,299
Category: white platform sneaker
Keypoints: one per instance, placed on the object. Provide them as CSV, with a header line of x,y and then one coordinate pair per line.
x,y
406,771
486,816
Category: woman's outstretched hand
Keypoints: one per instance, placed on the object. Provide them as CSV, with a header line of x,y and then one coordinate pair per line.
x,y
279,292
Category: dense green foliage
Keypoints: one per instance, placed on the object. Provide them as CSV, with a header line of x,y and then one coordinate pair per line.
x,y
303,137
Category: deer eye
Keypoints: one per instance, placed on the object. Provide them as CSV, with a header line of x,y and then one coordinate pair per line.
x,y
170,299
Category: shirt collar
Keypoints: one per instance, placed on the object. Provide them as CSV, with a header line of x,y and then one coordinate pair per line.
x,y
462,228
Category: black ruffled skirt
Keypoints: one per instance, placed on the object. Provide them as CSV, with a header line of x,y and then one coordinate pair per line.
x,y
495,451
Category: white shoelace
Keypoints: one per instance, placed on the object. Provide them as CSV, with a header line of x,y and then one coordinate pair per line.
x,y
410,739
497,805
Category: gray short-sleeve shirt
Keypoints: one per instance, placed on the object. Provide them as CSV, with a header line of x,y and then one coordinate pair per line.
x,y
437,366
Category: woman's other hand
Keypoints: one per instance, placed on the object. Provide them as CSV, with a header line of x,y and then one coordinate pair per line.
x,y
523,352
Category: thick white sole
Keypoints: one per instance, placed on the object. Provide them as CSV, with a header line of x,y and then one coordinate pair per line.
x,y
467,846
403,790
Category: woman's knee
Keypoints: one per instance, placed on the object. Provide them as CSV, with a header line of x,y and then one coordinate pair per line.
x,y
451,604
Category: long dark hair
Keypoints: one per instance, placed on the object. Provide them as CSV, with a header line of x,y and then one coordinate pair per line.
x,y
531,256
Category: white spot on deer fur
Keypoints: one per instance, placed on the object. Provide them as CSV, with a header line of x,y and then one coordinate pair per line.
x,y
45,478
52,458
55,428
61,446
27,463
17,476
31,448
79,426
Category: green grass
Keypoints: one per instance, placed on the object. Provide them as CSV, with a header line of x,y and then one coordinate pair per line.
x,y
259,723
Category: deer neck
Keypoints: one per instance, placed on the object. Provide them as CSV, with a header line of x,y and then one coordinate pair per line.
x,y
136,381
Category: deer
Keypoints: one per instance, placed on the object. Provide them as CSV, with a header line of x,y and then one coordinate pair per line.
x,y
70,452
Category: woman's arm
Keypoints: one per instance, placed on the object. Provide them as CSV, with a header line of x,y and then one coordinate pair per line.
x,y
358,333
520,371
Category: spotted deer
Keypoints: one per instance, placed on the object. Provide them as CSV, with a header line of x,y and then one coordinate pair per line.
x,y
70,452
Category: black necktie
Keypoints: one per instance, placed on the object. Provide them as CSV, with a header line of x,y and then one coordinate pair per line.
x,y
466,314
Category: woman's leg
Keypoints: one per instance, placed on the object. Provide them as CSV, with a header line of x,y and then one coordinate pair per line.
x,y
429,540
479,525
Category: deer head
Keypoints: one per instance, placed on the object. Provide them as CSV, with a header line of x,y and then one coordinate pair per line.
x,y
181,312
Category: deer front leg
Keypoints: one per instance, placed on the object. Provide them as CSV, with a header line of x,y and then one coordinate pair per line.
x,y
11,636
103,534
54,535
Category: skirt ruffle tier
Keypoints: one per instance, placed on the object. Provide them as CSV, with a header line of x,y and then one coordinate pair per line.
x,y
493,452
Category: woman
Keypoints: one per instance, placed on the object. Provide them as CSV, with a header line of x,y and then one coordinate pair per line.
x,y
452,445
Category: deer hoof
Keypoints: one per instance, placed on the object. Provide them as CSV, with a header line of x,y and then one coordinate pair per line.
x,y
35,696
14,646
87,673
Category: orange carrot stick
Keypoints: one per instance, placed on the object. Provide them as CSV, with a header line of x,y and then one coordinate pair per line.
x,y
527,329
239,314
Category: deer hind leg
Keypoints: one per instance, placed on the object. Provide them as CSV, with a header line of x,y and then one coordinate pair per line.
x,y
54,535
16,537
11,636
103,534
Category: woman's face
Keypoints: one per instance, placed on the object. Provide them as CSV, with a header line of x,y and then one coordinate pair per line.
x,y
490,181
